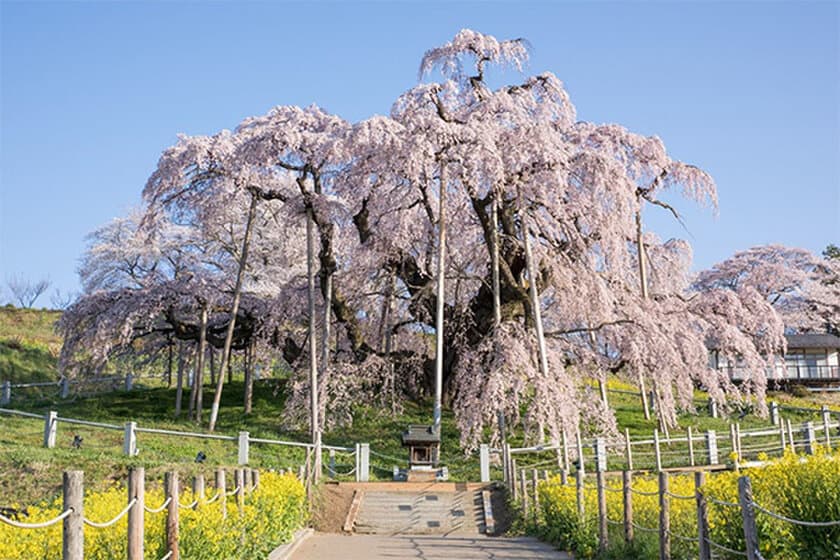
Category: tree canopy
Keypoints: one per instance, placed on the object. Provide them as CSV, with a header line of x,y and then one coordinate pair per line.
x,y
515,165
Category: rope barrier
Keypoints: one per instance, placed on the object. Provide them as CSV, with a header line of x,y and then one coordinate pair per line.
x,y
683,538
388,457
188,506
40,525
611,489
215,497
723,502
645,529
678,496
611,522
161,508
640,493
114,520
781,517
233,492
725,549
167,556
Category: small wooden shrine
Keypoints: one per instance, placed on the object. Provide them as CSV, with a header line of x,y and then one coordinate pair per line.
x,y
423,446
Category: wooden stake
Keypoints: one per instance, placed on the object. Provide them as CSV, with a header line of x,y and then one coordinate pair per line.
x,y
170,482
73,544
136,489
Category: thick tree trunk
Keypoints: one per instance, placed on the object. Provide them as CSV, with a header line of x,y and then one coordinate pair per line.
x,y
169,365
441,295
196,396
237,293
179,390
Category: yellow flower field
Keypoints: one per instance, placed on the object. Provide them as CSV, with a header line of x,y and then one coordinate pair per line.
x,y
271,515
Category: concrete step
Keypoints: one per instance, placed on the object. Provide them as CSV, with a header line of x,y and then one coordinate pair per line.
x,y
427,512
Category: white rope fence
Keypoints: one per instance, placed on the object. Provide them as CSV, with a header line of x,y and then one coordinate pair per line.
x,y
40,525
160,509
119,516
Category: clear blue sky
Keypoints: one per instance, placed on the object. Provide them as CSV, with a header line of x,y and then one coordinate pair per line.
x,y
92,92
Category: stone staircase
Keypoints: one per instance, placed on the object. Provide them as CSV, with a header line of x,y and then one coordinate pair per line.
x,y
429,511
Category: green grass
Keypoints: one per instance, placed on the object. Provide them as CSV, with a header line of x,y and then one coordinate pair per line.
x,y
29,346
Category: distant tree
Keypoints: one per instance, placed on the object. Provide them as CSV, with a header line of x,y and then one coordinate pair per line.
x,y
832,252
26,292
62,300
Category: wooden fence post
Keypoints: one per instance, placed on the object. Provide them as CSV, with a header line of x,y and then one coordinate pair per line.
x,y
782,436
656,450
748,515
704,551
600,454
738,441
602,511
565,455
220,488
255,478
713,408
50,429
73,544
536,480
790,436
130,439
581,461
484,462
690,446
774,413
170,481
136,489
523,488
6,396
514,493
243,448
732,443
664,518
198,490
628,450
64,390
826,418
364,462
711,447
810,437
579,489
626,485
240,491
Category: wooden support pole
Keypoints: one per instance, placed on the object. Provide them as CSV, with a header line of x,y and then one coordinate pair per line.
x,y
628,449
774,413
255,478
748,516
565,454
626,485
523,487
602,511
73,544
656,450
664,518
704,550
170,482
220,488
733,444
240,491
198,490
738,441
136,490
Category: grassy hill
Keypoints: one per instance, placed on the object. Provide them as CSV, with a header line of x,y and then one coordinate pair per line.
x,y
29,346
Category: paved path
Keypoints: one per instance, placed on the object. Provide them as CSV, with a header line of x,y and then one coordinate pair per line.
x,y
323,546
